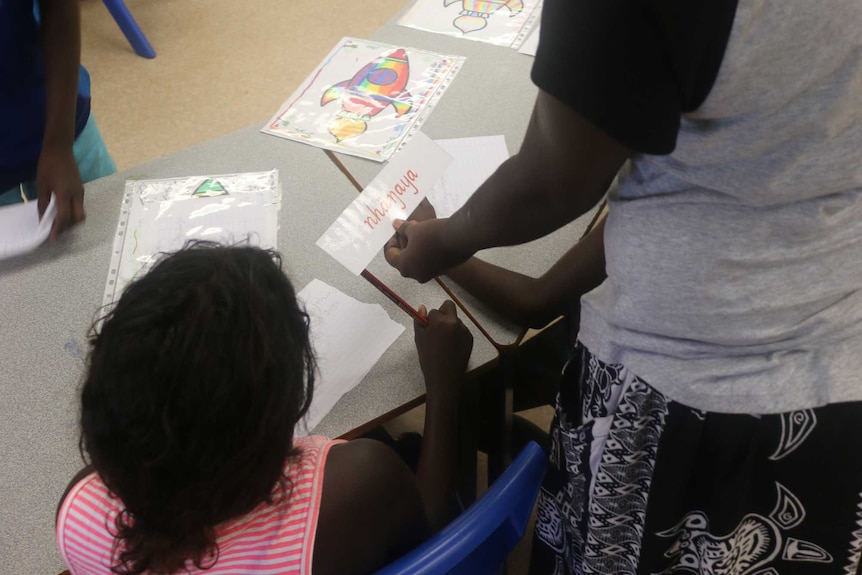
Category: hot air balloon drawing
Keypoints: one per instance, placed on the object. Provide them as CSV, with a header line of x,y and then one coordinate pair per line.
x,y
375,87
475,13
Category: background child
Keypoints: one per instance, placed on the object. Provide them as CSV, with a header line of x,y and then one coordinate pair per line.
x,y
196,381
49,143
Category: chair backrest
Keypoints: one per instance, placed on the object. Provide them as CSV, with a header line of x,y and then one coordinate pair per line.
x,y
478,541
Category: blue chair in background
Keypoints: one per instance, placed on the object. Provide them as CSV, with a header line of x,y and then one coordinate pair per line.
x,y
480,539
130,28
125,21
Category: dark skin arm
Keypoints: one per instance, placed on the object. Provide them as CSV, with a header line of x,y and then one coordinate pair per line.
x,y
57,170
527,301
534,302
373,508
444,347
564,167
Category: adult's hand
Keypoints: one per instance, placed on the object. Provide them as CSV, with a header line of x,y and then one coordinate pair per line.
x,y
424,211
419,250
57,173
444,347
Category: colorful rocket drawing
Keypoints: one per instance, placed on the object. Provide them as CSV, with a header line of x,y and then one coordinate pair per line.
x,y
375,87
475,13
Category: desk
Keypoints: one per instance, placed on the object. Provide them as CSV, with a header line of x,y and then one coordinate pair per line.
x,y
50,296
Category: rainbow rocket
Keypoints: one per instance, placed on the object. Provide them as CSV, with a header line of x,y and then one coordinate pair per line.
x,y
375,87
475,13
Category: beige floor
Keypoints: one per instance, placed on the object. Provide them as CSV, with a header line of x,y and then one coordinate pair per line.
x,y
221,65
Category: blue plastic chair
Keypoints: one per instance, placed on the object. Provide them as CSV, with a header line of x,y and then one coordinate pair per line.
x,y
130,28
478,541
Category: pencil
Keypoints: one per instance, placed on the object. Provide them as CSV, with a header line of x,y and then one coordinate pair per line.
x,y
384,289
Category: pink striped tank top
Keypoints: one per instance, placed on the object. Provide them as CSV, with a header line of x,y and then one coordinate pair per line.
x,y
276,538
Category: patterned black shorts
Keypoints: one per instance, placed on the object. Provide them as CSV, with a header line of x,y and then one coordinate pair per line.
x,y
639,484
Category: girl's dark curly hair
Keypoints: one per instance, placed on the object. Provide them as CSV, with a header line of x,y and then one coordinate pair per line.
x,y
196,380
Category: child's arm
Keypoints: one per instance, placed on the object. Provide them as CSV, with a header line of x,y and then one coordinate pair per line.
x,y
533,302
444,349
57,170
373,509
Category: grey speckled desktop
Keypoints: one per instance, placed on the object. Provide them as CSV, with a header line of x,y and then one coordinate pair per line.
x,y
50,297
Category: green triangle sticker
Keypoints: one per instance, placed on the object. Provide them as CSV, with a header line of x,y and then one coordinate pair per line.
x,y
209,188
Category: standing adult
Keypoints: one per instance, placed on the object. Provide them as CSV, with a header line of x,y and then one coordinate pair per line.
x,y
711,418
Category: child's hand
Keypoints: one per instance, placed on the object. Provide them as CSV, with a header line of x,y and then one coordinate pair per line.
x,y
444,347
57,172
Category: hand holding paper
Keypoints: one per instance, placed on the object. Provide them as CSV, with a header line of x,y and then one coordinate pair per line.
x,y
21,229
420,250
365,226
59,181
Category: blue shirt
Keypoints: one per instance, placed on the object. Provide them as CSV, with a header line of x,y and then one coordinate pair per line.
x,y
22,93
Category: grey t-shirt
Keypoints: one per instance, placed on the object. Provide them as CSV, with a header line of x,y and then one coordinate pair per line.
x,y
735,263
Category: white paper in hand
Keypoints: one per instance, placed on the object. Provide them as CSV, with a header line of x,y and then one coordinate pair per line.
x,y
20,229
362,229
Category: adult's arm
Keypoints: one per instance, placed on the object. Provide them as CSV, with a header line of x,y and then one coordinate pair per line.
x,y
563,168
57,171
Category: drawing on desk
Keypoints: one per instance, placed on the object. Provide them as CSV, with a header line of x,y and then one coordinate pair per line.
x,y
378,85
365,99
159,216
475,13
501,22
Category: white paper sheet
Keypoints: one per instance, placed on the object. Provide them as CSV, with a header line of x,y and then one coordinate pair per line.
x,y
366,99
340,328
475,160
20,229
531,44
366,224
159,216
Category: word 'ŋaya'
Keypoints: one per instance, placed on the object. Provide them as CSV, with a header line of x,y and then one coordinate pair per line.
x,y
392,198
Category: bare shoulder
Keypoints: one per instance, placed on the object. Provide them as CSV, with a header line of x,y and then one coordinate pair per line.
x,y
370,512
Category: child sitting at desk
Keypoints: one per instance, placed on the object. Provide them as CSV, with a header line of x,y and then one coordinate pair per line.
x,y
196,381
